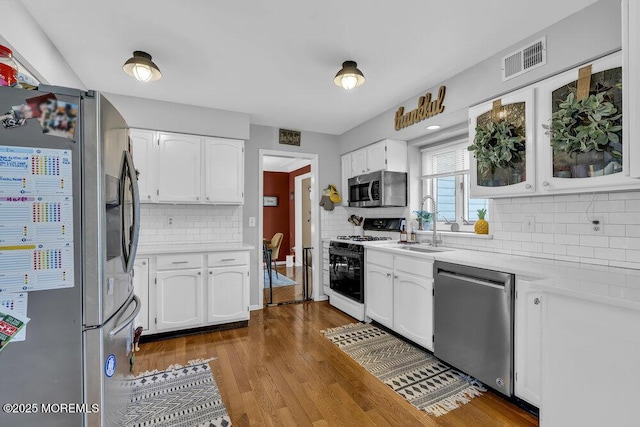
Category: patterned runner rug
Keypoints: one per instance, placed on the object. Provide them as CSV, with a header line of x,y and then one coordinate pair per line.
x,y
426,382
181,396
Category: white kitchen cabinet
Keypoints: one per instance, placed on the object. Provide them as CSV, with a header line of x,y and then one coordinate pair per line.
x,y
598,171
631,84
399,294
520,179
224,171
528,343
379,294
413,300
179,166
228,287
141,289
179,299
388,154
326,282
144,148
179,292
345,166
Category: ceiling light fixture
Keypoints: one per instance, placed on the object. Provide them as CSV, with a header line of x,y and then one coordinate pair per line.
x,y
141,67
349,76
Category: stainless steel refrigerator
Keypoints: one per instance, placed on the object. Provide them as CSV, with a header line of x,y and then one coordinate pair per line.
x,y
69,221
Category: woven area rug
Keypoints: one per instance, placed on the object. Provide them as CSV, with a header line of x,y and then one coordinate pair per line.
x,y
426,382
181,396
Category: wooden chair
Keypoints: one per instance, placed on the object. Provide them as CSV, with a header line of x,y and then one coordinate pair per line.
x,y
276,241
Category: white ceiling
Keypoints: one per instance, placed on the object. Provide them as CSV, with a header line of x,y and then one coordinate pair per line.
x,y
276,59
283,164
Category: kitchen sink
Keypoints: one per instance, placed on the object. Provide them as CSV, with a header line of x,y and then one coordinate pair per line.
x,y
424,249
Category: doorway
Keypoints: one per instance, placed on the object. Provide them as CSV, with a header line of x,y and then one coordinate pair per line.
x,y
287,188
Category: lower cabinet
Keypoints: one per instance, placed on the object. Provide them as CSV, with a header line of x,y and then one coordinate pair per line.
x,y
528,343
399,294
228,287
141,289
179,299
191,290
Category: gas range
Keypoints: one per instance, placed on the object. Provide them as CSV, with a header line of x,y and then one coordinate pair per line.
x,y
363,238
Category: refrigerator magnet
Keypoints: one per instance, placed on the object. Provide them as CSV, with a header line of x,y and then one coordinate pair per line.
x,y
110,365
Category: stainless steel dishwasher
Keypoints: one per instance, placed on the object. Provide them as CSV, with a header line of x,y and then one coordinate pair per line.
x,y
473,322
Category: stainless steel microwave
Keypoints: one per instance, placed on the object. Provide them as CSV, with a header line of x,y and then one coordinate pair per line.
x,y
378,189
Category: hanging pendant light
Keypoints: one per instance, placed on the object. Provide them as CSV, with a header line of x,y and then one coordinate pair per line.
x,y
349,76
142,68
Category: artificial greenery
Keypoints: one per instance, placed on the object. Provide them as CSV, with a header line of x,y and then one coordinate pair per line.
x,y
589,124
425,216
497,145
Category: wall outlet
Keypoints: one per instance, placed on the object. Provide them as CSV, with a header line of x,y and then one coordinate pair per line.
x,y
252,221
597,225
530,224
169,221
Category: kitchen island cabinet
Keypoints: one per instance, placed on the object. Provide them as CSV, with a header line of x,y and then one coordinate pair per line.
x,y
399,294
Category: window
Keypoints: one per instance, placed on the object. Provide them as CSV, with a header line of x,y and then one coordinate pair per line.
x,y
445,177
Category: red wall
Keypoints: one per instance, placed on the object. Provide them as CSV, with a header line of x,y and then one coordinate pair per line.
x,y
281,218
276,218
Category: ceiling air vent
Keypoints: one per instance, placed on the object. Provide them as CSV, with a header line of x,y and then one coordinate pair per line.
x,y
525,59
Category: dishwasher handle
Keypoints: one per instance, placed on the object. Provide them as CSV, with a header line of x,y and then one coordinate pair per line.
x,y
473,280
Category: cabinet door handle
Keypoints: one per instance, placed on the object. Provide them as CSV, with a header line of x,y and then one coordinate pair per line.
x,y
199,273
180,262
228,259
395,277
536,301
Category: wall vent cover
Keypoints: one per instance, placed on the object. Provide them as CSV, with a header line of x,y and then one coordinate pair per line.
x,y
524,59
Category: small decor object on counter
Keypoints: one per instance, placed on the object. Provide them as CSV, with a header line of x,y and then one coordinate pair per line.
x,y
481,226
424,219
403,235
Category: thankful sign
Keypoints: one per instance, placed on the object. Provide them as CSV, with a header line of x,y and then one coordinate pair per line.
x,y
426,108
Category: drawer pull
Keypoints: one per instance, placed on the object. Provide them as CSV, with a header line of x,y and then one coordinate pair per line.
x,y
228,259
180,262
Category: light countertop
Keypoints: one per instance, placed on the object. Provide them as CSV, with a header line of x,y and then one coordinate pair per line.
x,y
163,248
609,285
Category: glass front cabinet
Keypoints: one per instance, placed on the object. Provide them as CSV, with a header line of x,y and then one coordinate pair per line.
x,y
574,138
502,138
580,114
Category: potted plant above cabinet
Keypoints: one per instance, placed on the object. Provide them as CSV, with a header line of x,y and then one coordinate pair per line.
x,y
581,115
501,132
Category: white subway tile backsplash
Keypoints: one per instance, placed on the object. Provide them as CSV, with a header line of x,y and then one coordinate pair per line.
x,y
174,224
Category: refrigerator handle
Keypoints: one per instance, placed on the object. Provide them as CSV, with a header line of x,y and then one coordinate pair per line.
x,y
135,228
129,319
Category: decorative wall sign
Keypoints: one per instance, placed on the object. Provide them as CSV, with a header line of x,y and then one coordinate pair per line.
x,y
270,201
290,137
426,108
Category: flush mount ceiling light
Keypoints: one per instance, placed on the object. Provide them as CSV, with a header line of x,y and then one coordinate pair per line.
x,y
349,77
141,67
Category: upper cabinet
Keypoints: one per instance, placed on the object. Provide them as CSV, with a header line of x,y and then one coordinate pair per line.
x,y
186,169
388,154
630,82
179,166
582,116
224,171
503,146
580,141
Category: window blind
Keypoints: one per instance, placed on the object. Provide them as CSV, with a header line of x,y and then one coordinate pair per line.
x,y
452,159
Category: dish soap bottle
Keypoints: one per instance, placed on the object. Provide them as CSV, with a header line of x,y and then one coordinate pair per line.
x,y
403,234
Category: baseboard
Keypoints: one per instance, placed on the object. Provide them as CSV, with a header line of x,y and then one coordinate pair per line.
x,y
193,331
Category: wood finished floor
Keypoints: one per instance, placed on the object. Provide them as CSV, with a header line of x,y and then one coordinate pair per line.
x,y
286,294
280,371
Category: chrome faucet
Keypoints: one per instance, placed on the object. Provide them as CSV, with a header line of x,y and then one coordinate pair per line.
x,y
434,239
